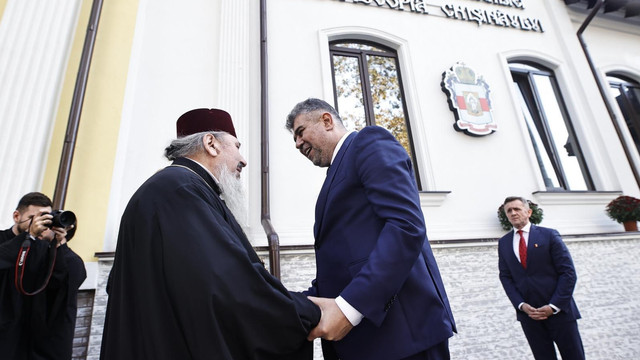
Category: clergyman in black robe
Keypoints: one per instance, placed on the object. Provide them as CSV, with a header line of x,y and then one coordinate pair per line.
x,y
186,282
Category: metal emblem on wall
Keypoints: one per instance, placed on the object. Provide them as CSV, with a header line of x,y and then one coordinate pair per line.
x,y
468,97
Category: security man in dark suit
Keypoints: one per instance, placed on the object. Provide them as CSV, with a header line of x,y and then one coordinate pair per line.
x,y
538,276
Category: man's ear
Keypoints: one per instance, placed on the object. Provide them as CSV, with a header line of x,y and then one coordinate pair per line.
x,y
211,145
327,121
16,216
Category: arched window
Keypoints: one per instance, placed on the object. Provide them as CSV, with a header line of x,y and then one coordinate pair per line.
x,y
627,95
554,141
368,90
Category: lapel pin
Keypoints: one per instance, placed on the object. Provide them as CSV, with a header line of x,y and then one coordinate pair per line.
x,y
535,245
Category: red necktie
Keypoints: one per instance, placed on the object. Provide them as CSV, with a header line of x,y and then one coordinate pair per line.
x,y
523,250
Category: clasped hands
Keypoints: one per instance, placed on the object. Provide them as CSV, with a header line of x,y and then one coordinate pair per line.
x,y
333,324
541,313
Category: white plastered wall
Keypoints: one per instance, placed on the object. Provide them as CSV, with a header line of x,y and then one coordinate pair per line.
x,y
187,55
478,172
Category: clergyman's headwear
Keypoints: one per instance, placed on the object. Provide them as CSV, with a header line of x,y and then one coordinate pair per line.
x,y
199,120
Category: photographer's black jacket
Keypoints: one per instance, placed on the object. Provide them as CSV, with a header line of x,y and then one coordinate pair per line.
x,y
39,326
186,283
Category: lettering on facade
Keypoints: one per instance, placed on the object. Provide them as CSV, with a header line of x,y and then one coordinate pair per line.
x,y
497,18
416,6
468,98
510,3
459,12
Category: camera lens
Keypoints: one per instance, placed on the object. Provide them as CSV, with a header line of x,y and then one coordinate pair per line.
x,y
62,218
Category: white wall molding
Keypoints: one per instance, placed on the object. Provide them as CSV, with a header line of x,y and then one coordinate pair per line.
x,y
35,38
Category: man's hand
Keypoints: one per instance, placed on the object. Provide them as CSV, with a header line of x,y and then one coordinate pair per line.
x,y
333,324
60,235
541,313
39,224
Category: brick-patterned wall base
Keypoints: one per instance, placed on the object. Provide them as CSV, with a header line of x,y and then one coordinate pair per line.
x,y
607,293
83,325
99,309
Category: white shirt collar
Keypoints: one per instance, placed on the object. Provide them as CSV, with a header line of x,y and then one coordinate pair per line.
x,y
339,145
526,228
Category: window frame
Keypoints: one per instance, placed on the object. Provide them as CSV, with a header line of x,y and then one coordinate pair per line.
x,y
623,83
369,113
520,77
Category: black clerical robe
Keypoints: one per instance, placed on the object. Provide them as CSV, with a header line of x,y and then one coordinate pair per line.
x,y
186,283
39,326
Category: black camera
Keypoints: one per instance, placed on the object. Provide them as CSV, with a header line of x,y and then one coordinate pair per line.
x,y
62,219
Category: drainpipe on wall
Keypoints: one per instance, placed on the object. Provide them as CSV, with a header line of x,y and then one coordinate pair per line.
x,y
73,123
603,89
272,236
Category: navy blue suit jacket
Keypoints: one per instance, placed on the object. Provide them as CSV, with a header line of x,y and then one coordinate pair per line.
x,y
548,279
372,249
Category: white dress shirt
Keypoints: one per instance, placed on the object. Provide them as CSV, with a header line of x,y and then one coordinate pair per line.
x,y
353,315
516,239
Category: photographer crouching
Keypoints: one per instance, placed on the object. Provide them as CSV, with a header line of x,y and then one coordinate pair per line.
x,y
39,281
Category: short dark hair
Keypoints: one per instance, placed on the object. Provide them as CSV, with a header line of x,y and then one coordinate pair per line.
x,y
33,198
524,201
310,105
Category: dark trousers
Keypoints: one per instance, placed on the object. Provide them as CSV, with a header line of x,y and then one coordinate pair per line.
x,y
437,352
542,334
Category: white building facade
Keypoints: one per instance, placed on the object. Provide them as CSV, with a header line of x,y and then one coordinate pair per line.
x,y
492,98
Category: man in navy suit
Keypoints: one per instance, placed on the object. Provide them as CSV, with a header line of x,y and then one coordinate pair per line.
x,y
377,281
538,276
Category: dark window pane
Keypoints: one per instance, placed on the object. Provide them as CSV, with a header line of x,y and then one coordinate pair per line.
x,y
634,98
627,95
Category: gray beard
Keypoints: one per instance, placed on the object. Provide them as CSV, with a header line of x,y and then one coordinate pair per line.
x,y
233,194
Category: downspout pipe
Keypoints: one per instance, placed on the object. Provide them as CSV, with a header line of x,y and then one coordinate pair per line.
x,y
272,237
604,88
68,148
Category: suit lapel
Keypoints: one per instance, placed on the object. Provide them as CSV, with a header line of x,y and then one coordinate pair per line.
x,y
511,257
532,246
324,192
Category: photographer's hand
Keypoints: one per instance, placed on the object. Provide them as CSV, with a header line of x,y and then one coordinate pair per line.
x,y
39,224
61,235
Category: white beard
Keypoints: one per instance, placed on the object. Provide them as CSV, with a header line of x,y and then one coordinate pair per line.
x,y
233,194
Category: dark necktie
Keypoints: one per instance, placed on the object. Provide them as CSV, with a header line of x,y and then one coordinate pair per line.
x,y
523,250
